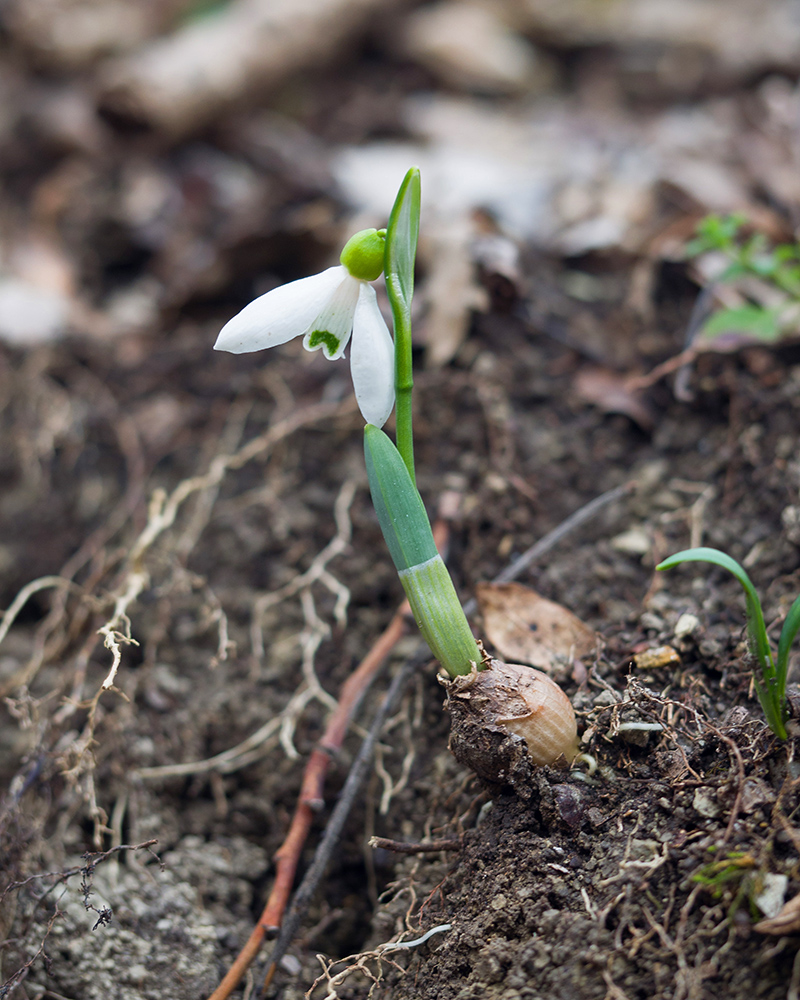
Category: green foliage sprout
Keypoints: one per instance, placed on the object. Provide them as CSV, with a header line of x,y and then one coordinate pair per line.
x,y
769,674
734,876
748,256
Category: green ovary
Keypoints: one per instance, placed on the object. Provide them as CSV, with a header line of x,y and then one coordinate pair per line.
x,y
363,254
325,339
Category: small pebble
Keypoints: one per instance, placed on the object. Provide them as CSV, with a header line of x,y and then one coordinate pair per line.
x,y
659,656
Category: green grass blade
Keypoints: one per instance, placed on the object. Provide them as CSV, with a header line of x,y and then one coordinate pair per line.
x,y
768,687
788,632
756,629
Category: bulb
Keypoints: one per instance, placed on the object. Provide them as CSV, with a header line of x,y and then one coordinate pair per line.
x,y
509,700
531,705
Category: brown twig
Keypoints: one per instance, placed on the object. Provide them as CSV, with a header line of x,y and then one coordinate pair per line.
x,y
638,382
352,786
310,799
401,847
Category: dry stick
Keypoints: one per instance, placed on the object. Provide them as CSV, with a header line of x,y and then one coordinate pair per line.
x,y
310,799
324,852
311,792
405,847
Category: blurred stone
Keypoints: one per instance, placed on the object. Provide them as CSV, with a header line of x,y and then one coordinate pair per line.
x,y
660,656
770,899
790,519
468,46
686,625
705,804
30,315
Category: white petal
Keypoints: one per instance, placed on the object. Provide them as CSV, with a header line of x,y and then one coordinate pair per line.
x,y
281,314
372,359
331,329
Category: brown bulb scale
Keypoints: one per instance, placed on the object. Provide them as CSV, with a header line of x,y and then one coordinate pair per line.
x,y
507,717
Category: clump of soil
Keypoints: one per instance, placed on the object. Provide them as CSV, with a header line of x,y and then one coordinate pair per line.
x,y
641,881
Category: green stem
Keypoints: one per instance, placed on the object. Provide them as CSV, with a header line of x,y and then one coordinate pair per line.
x,y
403,387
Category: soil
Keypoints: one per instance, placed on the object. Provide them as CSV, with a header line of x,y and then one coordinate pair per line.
x,y
644,878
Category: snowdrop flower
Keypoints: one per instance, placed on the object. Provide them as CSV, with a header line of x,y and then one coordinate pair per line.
x,y
325,310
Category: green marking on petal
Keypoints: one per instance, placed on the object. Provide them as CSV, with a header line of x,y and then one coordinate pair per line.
x,y
328,341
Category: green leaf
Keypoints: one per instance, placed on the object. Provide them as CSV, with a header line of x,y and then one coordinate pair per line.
x,y
402,234
428,586
399,507
767,686
788,632
760,323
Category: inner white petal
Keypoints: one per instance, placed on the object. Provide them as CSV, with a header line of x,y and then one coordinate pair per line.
x,y
281,314
332,327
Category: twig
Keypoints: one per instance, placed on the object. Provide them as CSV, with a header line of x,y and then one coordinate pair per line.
x,y
352,786
310,800
402,847
575,520
638,382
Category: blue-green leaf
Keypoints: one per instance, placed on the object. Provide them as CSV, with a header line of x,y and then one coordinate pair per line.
x,y
402,234
428,586
399,507
757,322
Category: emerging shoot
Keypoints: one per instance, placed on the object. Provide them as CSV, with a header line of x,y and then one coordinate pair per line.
x,y
769,675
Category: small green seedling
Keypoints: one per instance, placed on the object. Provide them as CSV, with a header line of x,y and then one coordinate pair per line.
x,y
769,674
777,267
735,877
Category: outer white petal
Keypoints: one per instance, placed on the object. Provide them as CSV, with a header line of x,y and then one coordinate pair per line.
x,y
283,313
372,359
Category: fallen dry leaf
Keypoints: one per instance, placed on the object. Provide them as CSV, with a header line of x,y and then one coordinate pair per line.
x,y
786,922
527,628
610,391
